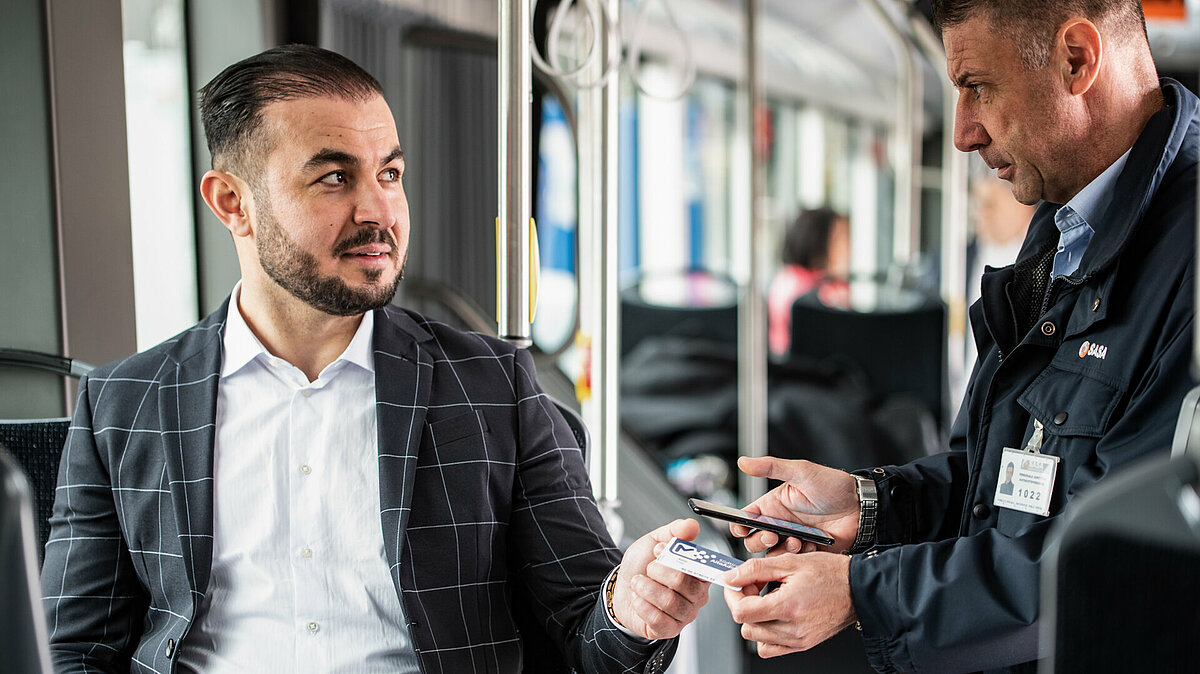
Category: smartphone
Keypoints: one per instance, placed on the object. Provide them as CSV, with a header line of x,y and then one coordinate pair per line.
x,y
778,526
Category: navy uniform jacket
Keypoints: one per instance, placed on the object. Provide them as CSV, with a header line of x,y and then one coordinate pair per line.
x,y
484,501
954,583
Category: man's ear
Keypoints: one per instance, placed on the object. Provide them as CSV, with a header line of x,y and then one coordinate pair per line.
x,y
1079,53
227,197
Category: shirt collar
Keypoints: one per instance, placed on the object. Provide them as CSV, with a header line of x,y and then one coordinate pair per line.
x,y
242,346
359,351
1092,201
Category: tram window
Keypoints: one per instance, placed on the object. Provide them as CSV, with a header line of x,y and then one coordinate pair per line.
x,y
684,157
160,175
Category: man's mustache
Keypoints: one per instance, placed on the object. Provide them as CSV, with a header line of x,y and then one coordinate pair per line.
x,y
363,237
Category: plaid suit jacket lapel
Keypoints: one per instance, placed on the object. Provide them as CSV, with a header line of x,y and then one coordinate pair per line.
x,y
187,403
403,378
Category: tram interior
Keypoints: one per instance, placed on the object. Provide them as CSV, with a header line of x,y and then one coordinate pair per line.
x,y
853,117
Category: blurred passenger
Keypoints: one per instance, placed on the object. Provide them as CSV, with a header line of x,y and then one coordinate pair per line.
x,y
313,480
816,257
1000,224
1085,345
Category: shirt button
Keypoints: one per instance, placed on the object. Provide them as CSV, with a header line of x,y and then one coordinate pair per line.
x,y
1060,418
980,511
313,627
306,553
305,468
1048,329
307,393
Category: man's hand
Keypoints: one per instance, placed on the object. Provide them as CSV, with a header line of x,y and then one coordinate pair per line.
x,y
650,599
811,604
811,494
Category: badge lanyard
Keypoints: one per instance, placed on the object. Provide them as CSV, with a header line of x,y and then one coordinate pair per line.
x,y
1026,481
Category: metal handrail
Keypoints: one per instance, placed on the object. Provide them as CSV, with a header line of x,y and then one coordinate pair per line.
x,y
599,316
752,336
514,235
61,365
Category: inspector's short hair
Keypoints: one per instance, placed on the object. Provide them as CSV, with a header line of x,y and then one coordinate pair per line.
x,y
1031,25
232,103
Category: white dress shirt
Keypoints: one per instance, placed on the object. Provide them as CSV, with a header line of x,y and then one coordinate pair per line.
x,y
300,582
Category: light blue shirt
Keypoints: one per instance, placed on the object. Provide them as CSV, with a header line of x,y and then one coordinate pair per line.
x,y
1072,219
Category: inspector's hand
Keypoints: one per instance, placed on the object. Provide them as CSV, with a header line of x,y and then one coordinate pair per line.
x,y
811,604
811,494
653,600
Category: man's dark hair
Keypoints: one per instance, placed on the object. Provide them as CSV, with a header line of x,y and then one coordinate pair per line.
x,y
1031,25
231,104
806,242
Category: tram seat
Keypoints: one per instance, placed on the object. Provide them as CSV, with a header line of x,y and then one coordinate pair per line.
x,y
29,455
22,628
900,350
1120,590
690,303
37,444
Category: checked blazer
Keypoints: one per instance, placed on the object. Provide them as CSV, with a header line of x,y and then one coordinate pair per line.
x,y
484,502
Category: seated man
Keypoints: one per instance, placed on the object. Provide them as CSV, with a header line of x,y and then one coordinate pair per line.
x,y
313,480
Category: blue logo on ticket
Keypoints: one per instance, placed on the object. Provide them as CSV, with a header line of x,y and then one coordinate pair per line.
x,y
697,560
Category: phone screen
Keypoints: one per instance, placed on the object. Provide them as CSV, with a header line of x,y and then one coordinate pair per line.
x,y
765,522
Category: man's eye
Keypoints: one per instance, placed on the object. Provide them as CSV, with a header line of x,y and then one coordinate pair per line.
x,y
391,175
335,178
976,89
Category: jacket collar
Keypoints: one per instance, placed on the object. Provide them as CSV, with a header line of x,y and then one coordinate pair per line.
x,y
404,365
187,404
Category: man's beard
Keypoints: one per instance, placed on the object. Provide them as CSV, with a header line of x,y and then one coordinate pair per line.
x,y
295,270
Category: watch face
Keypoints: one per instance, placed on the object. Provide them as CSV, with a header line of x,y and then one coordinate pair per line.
x,y
866,488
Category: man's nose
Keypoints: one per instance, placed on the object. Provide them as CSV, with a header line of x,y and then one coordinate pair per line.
x,y
377,206
969,134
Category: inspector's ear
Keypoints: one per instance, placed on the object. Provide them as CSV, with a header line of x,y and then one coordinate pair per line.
x,y
227,197
1079,53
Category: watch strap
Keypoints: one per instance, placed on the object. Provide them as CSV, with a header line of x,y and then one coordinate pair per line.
x,y
868,507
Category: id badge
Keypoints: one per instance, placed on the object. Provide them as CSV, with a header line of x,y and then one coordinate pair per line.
x,y
1026,481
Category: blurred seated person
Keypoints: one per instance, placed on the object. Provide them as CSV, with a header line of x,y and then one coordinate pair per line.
x,y
816,257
